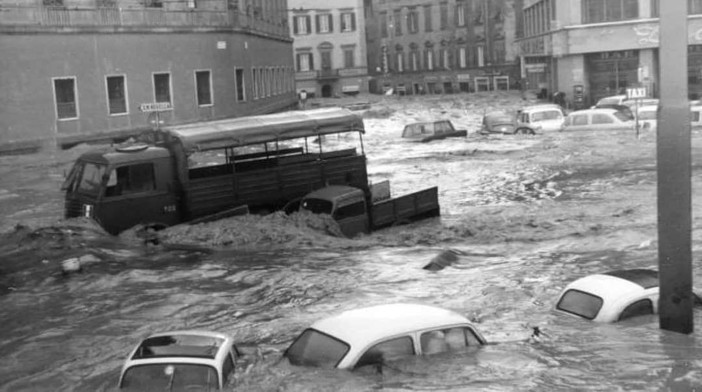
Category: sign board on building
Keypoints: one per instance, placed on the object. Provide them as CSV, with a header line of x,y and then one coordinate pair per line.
x,y
536,68
155,107
636,92
221,44
464,77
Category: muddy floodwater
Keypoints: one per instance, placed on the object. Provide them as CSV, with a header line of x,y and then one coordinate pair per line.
x,y
524,215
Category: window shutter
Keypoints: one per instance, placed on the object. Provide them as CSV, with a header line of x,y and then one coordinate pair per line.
x,y
309,24
298,62
331,23
353,22
295,30
316,22
311,61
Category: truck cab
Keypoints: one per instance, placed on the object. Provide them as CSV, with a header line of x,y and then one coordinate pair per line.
x,y
347,205
138,179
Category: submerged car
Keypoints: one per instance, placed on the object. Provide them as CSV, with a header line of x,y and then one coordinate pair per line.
x,y
613,296
647,117
180,360
506,124
432,130
376,334
597,119
548,117
612,100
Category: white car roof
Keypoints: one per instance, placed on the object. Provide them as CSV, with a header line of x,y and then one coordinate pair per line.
x,y
360,326
648,108
595,110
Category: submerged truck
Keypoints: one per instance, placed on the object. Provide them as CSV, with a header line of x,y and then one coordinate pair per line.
x,y
203,171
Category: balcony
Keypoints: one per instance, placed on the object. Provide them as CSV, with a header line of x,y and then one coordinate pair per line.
x,y
323,74
38,17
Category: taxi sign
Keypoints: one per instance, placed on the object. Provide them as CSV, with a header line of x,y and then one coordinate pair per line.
x,y
636,93
155,107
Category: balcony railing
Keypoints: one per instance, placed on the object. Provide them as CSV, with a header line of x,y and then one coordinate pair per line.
x,y
328,74
137,17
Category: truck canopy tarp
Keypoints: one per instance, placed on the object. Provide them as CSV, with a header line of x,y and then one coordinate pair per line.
x,y
244,131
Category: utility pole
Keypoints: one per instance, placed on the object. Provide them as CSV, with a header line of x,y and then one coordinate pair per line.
x,y
674,174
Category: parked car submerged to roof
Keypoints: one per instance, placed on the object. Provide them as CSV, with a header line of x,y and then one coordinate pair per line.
x,y
547,117
503,123
648,117
432,130
376,334
180,360
597,120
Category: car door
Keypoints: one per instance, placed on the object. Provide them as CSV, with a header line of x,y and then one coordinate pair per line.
x,y
578,122
387,350
448,340
604,121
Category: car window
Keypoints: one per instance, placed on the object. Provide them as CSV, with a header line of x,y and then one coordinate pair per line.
x,y
547,115
580,119
227,368
601,118
450,339
169,377
313,348
623,116
580,304
387,351
638,308
648,115
351,210
524,117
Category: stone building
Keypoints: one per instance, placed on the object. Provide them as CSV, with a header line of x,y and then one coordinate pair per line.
x,y
593,48
420,46
80,70
329,46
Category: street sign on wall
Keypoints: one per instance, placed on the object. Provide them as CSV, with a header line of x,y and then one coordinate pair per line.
x,y
155,107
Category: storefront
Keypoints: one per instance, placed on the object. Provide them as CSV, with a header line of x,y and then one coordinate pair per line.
x,y
610,73
537,73
694,71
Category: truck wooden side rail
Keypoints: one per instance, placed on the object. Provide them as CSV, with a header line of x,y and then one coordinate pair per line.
x,y
404,209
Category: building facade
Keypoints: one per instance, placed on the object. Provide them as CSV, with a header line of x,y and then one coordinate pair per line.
x,y
420,46
81,70
329,46
589,49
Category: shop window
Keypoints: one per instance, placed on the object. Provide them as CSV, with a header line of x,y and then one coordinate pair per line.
x,y
501,82
65,97
116,94
482,84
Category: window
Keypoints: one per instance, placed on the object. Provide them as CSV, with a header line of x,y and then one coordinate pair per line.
x,y
203,85
350,211
162,87
481,56
348,58
600,118
412,21
446,59
131,179
384,24
398,22
53,3
579,302
192,4
400,61
693,7
427,18
314,348
301,25
596,11
255,82
414,60
325,23
638,308
240,90
580,119
462,63
500,51
65,96
429,59
450,339
443,9
460,15
387,351
116,95
305,62
153,3
348,22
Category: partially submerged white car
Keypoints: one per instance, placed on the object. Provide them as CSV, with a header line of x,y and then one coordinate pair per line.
x,y
374,335
180,361
611,296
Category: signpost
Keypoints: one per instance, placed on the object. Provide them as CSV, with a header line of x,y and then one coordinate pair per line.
x,y
636,94
674,171
154,109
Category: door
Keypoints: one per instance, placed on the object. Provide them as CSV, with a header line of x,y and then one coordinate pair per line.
x,y
352,218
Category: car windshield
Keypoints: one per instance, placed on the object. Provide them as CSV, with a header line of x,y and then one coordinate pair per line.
x,y
170,377
313,348
85,177
621,116
317,206
179,345
580,303
609,101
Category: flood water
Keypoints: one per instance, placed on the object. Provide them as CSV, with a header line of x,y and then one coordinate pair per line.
x,y
523,228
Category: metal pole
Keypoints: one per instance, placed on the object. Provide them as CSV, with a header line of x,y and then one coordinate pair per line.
x,y
674,188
